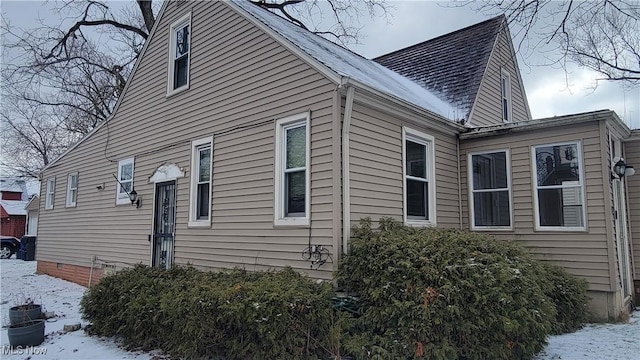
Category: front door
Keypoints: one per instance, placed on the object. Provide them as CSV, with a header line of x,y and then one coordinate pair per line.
x,y
164,224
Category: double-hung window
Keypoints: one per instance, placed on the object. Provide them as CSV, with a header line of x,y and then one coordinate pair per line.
x,y
72,189
124,185
419,178
505,84
559,186
179,55
201,160
490,185
292,182
50,195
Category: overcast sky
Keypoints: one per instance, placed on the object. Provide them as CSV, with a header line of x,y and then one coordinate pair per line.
x,y
545,86
416,21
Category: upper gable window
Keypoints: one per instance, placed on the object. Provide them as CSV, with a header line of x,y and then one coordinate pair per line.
x,y
419,178
179,55
559,187
72,189
125,181
505,82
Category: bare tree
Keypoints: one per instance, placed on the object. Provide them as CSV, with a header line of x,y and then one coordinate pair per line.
x,y
32,136
602,35
65,78
335,19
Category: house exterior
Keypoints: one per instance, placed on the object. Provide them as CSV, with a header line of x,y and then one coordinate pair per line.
x,y
33,209
13,199
243,140
632,156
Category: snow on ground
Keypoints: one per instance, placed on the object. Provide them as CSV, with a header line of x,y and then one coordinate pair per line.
x,y
19,281
597,341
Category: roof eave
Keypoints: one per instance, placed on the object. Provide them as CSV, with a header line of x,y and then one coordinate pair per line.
x,y
332,75
544,123
33,198
442,123
634,136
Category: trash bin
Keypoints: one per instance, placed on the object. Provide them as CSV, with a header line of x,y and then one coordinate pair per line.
x,y
20,251
29,244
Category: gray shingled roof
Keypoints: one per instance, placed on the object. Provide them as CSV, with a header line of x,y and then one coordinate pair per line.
x,y
451,65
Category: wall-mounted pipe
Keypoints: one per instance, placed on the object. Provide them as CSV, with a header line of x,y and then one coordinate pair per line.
x,y
346,190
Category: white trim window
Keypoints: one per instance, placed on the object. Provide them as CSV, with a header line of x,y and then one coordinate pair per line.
x,y
72,189
50,195
490,190
419,185
179,55
505,85
201,166
124,185
292,175
559,186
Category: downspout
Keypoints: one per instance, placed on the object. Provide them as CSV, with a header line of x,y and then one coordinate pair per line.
x,y
459,180
346,190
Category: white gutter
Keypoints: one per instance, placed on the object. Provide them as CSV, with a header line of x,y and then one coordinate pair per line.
x,y
346,190
545,123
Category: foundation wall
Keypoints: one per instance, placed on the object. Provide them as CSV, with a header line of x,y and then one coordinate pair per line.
x,y
607,306
74,273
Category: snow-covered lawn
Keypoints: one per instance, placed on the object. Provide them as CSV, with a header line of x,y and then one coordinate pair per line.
x,y
19,281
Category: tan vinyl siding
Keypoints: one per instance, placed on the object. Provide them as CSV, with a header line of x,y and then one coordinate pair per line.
x,y
581,253
375,164
34,204
238,76
632,157
487,109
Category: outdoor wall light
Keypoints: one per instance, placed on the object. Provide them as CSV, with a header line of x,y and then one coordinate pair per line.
x,y
133,196
620,169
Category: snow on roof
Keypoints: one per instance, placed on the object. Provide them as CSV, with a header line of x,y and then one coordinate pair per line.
x,y
12,185
14,207
346,63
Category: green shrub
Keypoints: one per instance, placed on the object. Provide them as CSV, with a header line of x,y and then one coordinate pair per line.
x,y
236,314
569,294
443,294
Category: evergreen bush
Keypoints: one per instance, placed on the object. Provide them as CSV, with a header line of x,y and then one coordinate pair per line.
x,y
443,294
569,295
423,294
232,315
